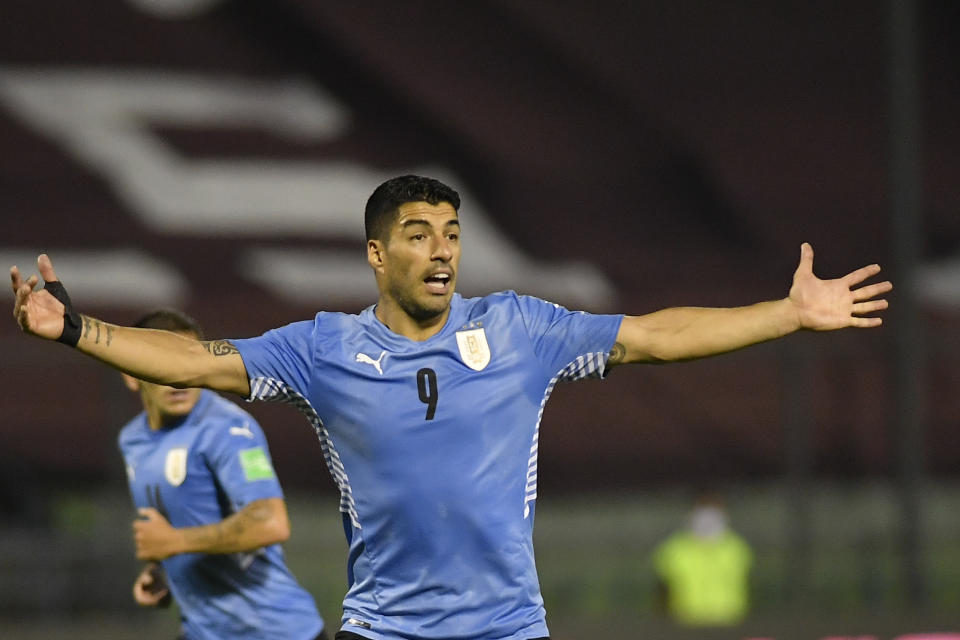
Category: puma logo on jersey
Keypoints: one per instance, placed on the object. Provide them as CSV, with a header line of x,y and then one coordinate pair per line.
x,y
242,431
364,358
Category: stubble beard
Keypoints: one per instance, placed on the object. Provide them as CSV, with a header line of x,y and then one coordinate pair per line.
x,y
417,310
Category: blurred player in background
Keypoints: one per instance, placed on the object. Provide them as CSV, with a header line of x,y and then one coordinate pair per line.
x,y
428,405
212,513
703,570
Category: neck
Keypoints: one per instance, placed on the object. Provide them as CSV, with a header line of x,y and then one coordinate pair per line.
x,y
402,323
154,418
157,420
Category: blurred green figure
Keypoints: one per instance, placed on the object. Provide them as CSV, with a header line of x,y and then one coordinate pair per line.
x,y
703,571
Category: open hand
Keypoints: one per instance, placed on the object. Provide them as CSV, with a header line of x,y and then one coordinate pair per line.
x,y
822,305
36,310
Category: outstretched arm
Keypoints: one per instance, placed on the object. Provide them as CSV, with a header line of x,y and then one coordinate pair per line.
x,y
260,523
157,356
686,333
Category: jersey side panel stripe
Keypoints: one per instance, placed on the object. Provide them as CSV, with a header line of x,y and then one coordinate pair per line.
x,y
272,390
590,365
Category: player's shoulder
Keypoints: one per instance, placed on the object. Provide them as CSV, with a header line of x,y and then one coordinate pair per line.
x,y
292,330
337,325
673,544
523,303
506,298
505,308
509,296
221,406
134,430
323,322
737,541
224,415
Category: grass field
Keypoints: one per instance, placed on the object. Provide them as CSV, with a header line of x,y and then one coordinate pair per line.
x,y
593,558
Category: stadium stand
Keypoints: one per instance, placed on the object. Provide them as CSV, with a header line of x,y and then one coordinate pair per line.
x,y
216,155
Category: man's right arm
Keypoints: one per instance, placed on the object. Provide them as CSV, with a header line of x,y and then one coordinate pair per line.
x,y
164,357
259,524
157,356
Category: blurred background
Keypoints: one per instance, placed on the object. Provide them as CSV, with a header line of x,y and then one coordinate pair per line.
x,y
614,156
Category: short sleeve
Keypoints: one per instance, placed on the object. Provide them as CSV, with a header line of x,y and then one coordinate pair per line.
x,y
278,361
572,344
239,458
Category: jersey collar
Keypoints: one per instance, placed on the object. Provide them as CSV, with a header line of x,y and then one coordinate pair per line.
x,y
390,338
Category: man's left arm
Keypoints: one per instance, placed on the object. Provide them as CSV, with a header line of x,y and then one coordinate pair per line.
x,y
259,524
687,333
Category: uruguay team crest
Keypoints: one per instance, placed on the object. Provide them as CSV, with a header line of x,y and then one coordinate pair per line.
x,y
175,468
474,350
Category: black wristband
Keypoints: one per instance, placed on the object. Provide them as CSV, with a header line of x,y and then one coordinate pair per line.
x,y
72,323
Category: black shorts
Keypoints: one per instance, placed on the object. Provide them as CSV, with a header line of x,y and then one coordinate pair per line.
x,y
320,636
349,635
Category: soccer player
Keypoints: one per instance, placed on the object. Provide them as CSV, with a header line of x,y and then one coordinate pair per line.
x,y
428,405
212,512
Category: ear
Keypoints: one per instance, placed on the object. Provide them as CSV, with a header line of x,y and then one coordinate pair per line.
x,y
130,382
375,254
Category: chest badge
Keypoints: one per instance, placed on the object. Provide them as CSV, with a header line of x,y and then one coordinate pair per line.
x,y
474,350
175,468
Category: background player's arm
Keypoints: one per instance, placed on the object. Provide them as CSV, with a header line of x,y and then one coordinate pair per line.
x,y
685,333
150,588
148,354
260,523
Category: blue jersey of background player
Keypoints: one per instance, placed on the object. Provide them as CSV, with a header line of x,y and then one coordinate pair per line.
x,y
419,338
212,511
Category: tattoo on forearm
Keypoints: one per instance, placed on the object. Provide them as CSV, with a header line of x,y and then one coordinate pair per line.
x,y
109,334
90,324
617,353
220,347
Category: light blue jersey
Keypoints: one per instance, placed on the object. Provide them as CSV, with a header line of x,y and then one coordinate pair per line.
x,y
434,446
198,471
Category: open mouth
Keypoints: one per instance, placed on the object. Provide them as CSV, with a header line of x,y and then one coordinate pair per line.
x,y
438,282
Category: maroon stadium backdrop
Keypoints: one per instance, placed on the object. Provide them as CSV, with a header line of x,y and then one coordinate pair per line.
x,y
216,155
